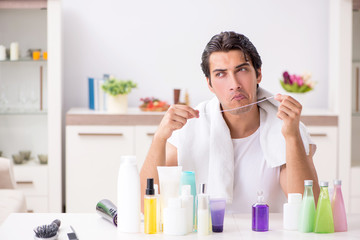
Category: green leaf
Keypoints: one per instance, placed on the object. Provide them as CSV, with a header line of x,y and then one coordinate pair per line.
x,y
116,87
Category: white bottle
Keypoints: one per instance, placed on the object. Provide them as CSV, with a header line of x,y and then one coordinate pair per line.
x,y
203,212
14,51
158,214
187,202
292,211
128,203
175,218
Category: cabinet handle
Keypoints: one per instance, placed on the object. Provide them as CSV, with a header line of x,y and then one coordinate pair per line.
x,y
318,134
101,134
150,134
24,182
30,211
357,89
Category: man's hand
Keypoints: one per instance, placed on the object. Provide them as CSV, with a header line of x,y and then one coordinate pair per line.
x,y
289,111
175,118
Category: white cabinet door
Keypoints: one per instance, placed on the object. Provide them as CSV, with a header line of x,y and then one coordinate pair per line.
x,y
92,163
144,136
325,158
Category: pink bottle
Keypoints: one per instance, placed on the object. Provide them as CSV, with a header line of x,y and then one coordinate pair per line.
x,y
338,208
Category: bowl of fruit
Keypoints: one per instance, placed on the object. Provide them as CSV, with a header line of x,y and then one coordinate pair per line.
x,y
151,104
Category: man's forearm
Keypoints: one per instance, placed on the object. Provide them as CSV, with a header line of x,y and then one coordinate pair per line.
x,y
299,167
155,157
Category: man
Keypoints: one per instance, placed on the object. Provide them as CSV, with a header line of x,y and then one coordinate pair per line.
x,y
236,149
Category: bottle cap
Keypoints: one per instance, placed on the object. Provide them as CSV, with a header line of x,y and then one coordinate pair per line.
x,y
150,187
202,188
174,203
294,197
186,190
324,184
128,159
260,196
337,182
308,182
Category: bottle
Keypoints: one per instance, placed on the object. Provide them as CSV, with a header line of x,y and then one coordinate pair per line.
x,y
203,216
128,196
14,51
158,215
260,214
338,208
174,218
307,212
324,222
187,202
150,208
292,211
188,178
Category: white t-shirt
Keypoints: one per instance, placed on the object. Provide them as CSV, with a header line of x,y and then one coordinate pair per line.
x,y
252,174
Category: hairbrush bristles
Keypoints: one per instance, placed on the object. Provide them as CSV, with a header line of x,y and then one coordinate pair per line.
x,y
47,231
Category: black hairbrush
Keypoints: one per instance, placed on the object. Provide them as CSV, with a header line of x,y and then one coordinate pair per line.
x,y
47,231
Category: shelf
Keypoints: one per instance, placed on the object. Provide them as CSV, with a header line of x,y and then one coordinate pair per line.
x,y
23,60
22,112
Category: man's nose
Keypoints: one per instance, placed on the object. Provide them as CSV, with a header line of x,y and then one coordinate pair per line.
x,y
234,82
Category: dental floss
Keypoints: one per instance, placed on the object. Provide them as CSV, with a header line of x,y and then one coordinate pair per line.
x,y
250,104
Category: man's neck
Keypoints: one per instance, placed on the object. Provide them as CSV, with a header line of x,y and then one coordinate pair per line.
x,y
243,124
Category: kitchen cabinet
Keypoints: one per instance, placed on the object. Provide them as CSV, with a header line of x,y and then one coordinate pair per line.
x,y
326,155
93,159
30,106
33,180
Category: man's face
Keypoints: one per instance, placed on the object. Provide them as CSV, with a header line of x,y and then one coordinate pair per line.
x,y
233,80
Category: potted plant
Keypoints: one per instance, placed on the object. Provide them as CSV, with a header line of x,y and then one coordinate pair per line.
x,y
117,91
297,85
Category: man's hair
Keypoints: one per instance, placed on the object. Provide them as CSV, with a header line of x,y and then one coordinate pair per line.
x,y
226,41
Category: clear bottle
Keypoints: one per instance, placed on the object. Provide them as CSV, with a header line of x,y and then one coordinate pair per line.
x,y
128,196
260,214
292,211
203,212
158,214
338,208
324,222
150,208
307,213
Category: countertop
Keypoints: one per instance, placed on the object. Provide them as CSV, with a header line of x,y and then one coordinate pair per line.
x,y
134,116
91,226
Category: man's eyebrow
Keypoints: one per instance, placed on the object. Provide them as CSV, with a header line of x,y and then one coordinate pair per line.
x,y
243,64
219,70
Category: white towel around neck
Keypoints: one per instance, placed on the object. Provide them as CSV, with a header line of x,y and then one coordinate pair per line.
x,y
211,125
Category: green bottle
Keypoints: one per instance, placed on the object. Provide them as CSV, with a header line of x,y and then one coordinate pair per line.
x,y
324,222
307,214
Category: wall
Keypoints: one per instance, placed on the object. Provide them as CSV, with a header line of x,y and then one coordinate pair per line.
x,y
159,43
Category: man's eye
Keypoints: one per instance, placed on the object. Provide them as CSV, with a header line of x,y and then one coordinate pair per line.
x,y
220,74
243,69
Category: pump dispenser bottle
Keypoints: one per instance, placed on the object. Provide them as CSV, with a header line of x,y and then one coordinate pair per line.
x,y
324,222
150,208
338,208
203,211
307,212
260,215
292,211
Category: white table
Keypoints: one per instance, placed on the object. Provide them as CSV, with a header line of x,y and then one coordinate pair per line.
x,y
92,226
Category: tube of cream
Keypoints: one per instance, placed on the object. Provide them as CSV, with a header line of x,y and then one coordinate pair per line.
x,y
107,210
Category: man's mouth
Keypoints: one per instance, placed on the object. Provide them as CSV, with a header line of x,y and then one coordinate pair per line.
x,y
238,97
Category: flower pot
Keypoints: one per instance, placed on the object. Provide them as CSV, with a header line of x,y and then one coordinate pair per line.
x,y
117,104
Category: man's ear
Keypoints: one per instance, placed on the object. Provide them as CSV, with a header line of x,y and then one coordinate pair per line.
x,y
259,77
209,85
